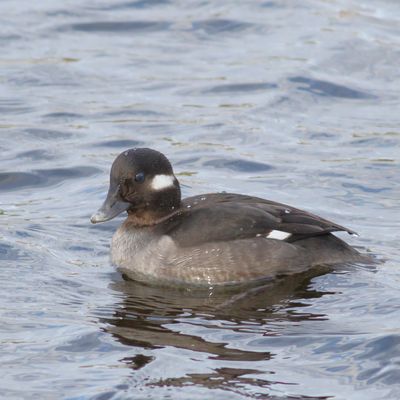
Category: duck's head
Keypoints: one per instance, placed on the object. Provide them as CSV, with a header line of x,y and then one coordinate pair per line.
x,y
142,183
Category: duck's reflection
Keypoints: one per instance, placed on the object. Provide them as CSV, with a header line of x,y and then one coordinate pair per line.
x,y
148,315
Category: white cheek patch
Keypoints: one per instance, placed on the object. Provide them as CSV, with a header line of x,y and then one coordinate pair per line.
x,y
280,235
161,182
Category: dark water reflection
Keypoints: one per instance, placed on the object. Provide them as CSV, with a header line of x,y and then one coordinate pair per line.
x,y
153,318
323,88
120,26
293,101
147,306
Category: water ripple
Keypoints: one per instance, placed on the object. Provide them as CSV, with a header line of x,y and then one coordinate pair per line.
x,y
324,88
139,4
119,143
241,87
48,134
44,177
239,165
215,26
38,154
119,26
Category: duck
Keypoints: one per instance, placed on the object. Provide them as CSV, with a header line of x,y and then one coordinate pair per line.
x,y
212,239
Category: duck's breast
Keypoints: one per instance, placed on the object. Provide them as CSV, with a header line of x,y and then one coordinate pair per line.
x,y
141,254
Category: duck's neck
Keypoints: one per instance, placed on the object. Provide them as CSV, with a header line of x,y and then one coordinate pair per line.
x,y
159,207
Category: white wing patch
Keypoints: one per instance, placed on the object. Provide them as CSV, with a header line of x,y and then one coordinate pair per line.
x,y
161,182
280,235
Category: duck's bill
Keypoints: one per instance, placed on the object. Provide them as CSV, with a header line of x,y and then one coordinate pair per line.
x,y
110,209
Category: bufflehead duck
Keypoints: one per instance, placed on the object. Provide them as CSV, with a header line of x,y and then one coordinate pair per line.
x,y
210,239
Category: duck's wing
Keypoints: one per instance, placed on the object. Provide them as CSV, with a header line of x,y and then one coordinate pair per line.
x,y
228,217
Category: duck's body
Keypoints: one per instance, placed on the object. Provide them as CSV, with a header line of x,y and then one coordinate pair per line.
x,y
211,239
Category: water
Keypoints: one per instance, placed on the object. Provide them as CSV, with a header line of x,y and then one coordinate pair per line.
x,y
292,101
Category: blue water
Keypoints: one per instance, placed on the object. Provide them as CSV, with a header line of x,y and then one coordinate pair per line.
x,y
292,101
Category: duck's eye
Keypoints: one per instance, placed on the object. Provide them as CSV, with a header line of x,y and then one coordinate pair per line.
x,y
139,177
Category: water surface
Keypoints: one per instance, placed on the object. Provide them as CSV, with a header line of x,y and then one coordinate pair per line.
x,y
293,101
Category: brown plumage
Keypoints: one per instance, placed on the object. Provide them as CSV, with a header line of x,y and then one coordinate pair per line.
x,y
210,239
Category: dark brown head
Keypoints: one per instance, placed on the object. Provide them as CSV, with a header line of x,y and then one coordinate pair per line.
x,y
142,183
